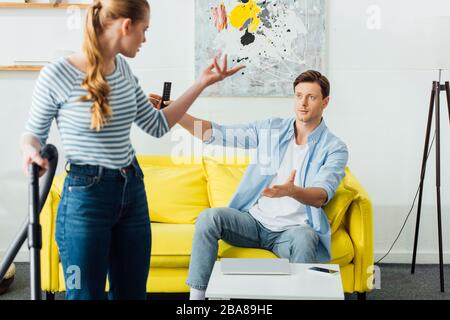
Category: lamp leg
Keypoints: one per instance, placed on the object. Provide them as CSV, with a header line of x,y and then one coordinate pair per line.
x,y
422,175
447,90
438,183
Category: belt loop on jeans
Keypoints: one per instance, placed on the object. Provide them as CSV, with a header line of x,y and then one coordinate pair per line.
x,y
135,165
65,167
99,172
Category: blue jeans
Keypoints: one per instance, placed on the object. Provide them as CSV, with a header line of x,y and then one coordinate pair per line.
x,y
298,244
103,229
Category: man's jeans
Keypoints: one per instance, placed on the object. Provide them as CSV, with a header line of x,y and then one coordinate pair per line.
x,y
103,228
298,244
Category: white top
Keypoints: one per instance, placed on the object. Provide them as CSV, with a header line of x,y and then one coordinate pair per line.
x,y
279,214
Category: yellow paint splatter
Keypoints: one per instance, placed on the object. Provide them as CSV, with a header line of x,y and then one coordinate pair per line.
x,y
243,12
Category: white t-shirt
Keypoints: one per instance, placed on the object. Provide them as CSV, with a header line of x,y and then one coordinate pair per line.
x,y
279,214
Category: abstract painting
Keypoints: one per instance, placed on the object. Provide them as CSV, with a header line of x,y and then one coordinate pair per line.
x,y
275,39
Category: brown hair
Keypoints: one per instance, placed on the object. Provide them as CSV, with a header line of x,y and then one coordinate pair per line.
x,y
97,17
312,76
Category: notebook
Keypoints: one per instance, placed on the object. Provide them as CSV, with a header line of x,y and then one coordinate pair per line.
x,y
255,266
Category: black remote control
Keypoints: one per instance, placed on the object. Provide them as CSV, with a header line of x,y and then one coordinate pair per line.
x,y
166,93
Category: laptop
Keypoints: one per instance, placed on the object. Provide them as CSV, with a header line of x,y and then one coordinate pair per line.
x,y
255,266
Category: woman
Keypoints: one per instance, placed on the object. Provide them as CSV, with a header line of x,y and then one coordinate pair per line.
x,y
103,227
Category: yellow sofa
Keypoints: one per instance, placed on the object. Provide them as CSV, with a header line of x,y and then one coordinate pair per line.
x,y
179,189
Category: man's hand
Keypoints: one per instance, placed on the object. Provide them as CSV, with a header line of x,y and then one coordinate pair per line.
x,y
283,190
156,100
312,196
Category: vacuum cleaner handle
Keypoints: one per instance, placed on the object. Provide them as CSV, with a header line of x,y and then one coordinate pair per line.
x,y
34,232
49,152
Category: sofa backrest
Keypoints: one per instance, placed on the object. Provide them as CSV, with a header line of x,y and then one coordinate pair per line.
x,y
180,188
199,183
223,176
176,188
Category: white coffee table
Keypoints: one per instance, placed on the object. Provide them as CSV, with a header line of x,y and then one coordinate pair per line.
x,y
301,284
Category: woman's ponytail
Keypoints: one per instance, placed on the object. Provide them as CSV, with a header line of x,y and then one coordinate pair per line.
x,y
98,15
95,83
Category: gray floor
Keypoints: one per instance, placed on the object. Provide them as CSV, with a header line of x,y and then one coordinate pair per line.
x,y
396,283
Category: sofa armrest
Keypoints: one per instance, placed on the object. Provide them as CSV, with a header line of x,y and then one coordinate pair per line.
x,y
359,224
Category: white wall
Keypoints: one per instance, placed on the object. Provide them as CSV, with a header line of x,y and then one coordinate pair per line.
x,y
381,81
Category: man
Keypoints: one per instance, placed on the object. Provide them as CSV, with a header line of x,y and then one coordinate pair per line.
x,y
278,204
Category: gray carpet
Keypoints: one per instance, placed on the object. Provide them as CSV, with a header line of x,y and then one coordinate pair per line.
x,y
397,283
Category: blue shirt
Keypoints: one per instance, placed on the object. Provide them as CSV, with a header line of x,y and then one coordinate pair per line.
x,y
324,165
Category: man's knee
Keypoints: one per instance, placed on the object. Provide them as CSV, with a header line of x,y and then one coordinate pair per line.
x,y
305,237
304,245
209,218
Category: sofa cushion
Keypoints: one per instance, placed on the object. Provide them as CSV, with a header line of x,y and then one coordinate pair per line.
x,y
228,251
169,261
342,251
172,245
223,177
338,205
176,188
170,239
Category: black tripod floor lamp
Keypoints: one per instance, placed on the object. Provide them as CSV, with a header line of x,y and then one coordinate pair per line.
x,y
435,107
